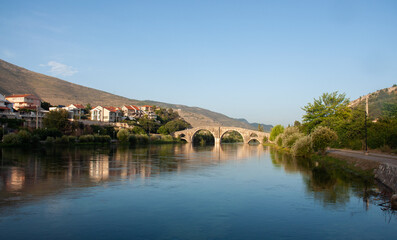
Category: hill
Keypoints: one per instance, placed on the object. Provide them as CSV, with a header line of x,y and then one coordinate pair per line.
x,y
18,80
266,127
377,101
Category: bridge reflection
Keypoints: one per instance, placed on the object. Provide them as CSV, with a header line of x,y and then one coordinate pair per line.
x,y
28,174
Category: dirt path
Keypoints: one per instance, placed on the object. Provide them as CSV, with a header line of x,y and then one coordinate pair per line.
x,y
359,155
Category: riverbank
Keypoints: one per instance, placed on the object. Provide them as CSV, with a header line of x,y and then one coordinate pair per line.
x,y
383,165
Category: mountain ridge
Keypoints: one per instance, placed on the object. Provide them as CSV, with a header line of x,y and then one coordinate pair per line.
x,y
18,80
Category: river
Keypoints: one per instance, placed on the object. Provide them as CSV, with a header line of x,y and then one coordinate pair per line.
x,y
232,191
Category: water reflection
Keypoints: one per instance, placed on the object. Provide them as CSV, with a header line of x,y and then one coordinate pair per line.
x,y
31,174
331,185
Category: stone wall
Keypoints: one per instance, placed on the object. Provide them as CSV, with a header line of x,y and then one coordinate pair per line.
x,y
387,174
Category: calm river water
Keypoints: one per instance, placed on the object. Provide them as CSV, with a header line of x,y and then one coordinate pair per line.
x,y
233,191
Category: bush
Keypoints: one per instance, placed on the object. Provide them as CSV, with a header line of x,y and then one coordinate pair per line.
x,y
24,136
50,140
132,139
142,139
167,138
279,140
35,139
44,133
155,138
302,147
86,138
11,138
138,130
322,137
123,135
265,139
72,139
289,140
276,130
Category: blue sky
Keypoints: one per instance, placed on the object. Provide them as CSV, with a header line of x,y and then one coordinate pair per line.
x,y
259,60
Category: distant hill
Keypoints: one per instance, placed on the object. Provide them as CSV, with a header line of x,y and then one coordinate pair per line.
x,y
377,100
266,127
17,80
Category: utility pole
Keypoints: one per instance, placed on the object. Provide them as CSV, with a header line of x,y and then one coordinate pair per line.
x,y
366,132
37,116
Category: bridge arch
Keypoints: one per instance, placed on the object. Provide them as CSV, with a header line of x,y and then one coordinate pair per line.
x,y
229,131
203,130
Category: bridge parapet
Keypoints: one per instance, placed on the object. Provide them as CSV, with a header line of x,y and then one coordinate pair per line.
x,y
218,132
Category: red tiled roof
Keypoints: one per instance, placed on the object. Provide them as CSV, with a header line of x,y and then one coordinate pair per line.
x,y
135,107
22,95
147,106
112,109
129,107
80,106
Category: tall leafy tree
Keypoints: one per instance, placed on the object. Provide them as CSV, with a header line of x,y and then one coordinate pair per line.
x,y
330,110
57,120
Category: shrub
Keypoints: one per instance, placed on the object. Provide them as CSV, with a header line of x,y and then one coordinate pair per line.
x,y
142,139
265,139
132,139
291,139
167,138
50,140
24,136
58,140
35,139
72,139
322,137
123,135
155,138
64,139
279,140
138,130
44,133
276,130
11,138
86,138
302,147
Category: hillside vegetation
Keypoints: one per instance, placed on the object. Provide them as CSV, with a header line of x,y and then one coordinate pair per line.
x,y
377,101
17,80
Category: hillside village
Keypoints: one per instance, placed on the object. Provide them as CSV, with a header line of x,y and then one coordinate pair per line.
x,y
28,107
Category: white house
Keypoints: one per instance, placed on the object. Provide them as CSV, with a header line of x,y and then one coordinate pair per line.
x,y
105,114
6,107
25,101
131,111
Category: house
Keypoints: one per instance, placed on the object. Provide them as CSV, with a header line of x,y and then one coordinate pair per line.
x,y
6,107
106,114
148,111
147,108
131,111
76,109
25,101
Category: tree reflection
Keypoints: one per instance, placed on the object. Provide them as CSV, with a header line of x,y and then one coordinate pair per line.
x,y
329,183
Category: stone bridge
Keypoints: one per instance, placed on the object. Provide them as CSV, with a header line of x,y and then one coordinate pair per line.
x,y
218,132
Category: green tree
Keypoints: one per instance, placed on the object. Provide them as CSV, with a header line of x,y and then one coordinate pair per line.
x,y
260,128
57,119
389,110
276,130
330,109
45,105
322,137
123,135
88,108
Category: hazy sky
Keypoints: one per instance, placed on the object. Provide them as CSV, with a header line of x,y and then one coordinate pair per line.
x,y
259,60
